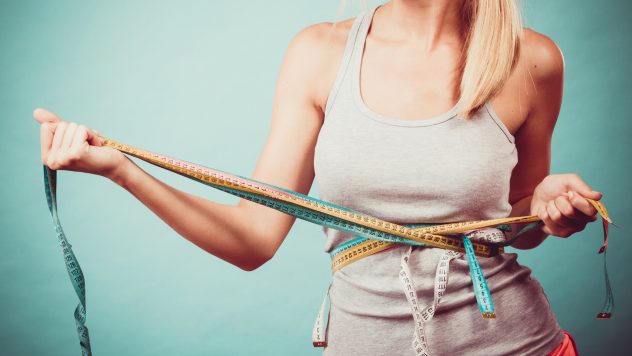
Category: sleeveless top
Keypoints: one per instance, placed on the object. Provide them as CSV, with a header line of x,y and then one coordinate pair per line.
x,y
433,170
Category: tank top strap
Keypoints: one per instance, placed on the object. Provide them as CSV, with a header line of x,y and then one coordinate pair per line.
x,y
363,31
355,39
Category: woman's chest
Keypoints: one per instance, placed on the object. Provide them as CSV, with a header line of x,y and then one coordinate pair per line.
x,y
357,159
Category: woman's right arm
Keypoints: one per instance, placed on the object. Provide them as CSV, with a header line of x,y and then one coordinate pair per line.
x,y
246,234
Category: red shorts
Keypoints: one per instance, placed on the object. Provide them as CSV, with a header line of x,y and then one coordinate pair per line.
x,y
566,348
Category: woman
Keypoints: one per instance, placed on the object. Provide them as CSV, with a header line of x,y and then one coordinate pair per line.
x,y
415,111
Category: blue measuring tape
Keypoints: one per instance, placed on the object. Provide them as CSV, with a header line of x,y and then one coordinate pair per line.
x,y
72,265
481,289
314,210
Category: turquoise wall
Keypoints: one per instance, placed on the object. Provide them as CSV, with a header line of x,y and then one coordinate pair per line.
x,y
195,80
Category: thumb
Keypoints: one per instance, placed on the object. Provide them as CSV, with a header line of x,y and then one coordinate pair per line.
x,y
93,138
589,193
42,116
584,190
578,185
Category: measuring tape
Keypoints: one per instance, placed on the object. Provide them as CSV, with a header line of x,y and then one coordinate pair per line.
x,y
474,238
72,265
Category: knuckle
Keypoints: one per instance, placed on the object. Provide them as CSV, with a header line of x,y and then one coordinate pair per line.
x,y
567,210
52,164
61,161
71,158
75,156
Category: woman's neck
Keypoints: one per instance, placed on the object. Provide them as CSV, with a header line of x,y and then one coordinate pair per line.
x,y
429,23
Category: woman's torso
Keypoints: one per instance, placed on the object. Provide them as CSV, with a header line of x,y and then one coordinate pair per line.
x,y
441,168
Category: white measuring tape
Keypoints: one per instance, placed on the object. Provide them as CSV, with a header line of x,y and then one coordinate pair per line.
x,y
474,238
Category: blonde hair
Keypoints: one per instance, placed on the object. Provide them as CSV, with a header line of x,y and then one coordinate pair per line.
x,y
493,32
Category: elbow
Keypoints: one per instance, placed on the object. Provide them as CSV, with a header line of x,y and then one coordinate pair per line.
x,y
255,260
254,263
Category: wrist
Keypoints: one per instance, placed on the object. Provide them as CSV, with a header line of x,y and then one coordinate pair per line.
x,y
530,239
120,173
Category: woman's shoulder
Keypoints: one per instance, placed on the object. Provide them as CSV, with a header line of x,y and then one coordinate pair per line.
x,y
541,55
325,32
539,67
321,43
318,48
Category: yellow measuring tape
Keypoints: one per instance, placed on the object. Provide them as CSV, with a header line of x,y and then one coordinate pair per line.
x,y
430,237
370,247
379,234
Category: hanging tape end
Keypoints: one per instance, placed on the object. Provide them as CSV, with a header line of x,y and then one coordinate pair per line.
x,y
489,315
320,343
604,315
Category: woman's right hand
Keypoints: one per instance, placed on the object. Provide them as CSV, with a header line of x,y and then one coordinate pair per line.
x,y
75,147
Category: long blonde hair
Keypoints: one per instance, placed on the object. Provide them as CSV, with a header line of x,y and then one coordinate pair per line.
x,y
492,46
492,31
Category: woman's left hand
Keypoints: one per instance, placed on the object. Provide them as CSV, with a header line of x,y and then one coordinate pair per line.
x,y
559,202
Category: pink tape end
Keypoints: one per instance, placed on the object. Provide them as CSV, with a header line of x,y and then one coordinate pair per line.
x,y
604,315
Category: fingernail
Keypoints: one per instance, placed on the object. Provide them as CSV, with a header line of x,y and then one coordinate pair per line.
x,y
571,194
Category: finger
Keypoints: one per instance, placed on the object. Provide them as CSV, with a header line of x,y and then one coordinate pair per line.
x,y
579,186
564,206
57,139
544,216
572,219
47,130
581,204
559,223
93,137
42,116
59,134
68,136
79,140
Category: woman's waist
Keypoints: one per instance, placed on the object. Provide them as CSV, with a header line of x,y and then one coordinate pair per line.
x,y
373,283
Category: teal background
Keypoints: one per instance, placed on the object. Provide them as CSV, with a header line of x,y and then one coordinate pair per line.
x,y
195,80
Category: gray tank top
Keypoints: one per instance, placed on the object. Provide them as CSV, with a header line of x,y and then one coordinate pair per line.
x,y
429,170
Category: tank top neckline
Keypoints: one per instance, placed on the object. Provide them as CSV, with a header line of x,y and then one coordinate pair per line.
x,y
367,19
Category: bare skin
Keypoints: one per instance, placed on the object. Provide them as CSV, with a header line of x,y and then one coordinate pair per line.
x,y
412,46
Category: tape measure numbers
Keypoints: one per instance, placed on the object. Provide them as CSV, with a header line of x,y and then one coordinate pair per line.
x,y
473,238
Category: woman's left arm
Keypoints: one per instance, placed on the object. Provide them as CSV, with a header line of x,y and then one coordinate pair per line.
x,y
557,199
